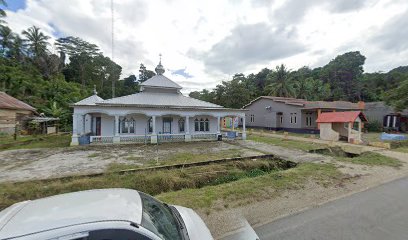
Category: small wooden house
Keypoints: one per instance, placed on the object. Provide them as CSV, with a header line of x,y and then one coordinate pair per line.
x,y
341,125
12,112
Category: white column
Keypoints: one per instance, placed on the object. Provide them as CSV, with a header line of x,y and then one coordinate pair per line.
x,y
187,137
243,129
116,138
83,123
153,138
74,140
218,125
359,132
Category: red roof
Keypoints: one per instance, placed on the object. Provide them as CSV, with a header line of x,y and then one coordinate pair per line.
x,y
8,102
340,117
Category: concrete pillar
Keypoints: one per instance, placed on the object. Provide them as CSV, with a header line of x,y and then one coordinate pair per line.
x,y
153,138
83,124
319,111
187,136
243,129
116,138
218,124
74,140
359,131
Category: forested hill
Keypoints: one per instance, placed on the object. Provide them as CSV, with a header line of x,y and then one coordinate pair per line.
x,y
51,82
340,79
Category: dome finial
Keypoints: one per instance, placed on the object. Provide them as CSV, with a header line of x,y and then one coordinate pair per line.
x,y
94,90
159,69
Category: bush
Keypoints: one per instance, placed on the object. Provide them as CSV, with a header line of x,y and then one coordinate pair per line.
x,y
374,126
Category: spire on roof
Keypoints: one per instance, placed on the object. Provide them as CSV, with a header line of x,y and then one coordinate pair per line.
x,y
159,69
94,90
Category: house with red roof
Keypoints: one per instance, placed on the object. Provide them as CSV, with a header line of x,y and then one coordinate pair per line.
x,y
12,112
335,126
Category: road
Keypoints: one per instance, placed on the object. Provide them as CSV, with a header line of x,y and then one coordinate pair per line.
x,y
378,213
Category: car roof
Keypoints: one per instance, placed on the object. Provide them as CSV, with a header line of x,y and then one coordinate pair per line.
x,y
71,209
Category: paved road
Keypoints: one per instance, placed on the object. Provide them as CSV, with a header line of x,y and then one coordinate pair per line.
x,y
379,213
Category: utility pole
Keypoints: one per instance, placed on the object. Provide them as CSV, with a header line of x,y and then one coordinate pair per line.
x,y
113,36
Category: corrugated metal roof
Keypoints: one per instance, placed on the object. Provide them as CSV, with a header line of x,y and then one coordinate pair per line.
x,y
159,99
340,117
89,101
160,81
9,102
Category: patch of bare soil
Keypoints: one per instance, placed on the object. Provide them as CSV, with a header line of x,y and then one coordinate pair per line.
x,y
27,164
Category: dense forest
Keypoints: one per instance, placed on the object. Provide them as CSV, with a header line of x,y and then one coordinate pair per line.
x,y
50,82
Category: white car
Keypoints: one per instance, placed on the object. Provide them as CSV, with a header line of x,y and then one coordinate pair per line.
x,y
105,214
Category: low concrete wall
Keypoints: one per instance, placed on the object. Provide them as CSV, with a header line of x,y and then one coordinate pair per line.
x,y
327,133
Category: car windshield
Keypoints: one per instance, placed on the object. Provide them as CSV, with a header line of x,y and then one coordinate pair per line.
x,y
159,219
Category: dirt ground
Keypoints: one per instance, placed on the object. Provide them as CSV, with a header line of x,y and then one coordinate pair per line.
x,y
27,164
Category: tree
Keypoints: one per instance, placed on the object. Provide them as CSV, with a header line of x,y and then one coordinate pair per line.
x,y
280,85
398,97
144,73
2,12
17,49
6,36
37,41
74,46
344,74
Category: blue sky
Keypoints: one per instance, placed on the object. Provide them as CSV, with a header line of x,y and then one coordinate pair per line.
x,y
14,5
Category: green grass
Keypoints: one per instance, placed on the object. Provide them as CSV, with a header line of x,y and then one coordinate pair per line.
x,y
93,155
372,159
305,146
401,149
258,188
152,182
39,141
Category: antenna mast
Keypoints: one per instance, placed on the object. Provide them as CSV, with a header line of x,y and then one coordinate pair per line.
x,y
113,36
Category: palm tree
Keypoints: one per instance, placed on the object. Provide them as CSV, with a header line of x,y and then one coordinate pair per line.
x,y
17,47
37,41
6,36
2,12
280,85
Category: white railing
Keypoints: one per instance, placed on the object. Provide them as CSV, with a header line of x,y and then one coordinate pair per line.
x,y
204,136
171,137
101,139
135,138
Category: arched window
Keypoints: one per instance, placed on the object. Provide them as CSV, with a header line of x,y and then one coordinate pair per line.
x,y
201,125
181,124
127,125
150,125
206,125
196,125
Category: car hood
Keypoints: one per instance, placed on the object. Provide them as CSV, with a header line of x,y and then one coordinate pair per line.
x,y
196,228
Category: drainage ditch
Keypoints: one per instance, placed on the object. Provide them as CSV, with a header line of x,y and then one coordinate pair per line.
x,y
334,152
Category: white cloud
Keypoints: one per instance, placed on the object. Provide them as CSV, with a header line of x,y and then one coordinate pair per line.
x,y
299,34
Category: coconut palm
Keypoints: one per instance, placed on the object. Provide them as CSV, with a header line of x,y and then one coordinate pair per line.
x,y
37,41
6,36
280,85
17,47
2,12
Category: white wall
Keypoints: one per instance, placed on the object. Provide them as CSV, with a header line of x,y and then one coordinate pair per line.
x,y
107,124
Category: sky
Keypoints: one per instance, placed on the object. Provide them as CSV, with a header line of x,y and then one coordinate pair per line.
x,y
205,42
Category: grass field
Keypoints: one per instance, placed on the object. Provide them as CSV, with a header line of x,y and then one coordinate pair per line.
x,y
259,188
305,146
34,141
152,182
372,159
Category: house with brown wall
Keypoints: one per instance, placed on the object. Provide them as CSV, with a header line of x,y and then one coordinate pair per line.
x,y
12,112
